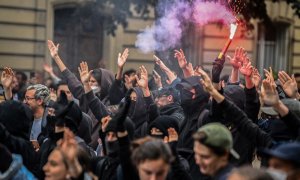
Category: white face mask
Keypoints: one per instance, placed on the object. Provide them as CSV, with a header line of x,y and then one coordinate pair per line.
x,y
277,174
95,89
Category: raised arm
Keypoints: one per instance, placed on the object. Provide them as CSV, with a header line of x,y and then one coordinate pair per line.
x,y
48,68
183,64
171,76
122,58
54,54
143,81
289,85
245,126
236,63
74,84
97,107
7,77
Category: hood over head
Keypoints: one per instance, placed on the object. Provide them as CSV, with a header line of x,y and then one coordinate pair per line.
x,y
104,78
17,118
163,123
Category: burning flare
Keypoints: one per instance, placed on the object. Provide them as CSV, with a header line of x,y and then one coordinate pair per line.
x,y
233,28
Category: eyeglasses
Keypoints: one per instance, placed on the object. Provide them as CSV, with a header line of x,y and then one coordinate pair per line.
x,y
28,98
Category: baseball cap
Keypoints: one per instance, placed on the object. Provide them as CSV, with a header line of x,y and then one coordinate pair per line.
x,y
287,151
188,83
218,136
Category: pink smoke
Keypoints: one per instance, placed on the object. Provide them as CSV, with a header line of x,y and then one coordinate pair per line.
x,y
207,12
167,31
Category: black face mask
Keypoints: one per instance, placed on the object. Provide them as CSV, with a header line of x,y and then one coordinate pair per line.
x,y
112,147
58,136
131,108
186,97
158,136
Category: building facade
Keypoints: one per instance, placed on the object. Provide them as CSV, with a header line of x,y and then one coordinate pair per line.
x,y
25,26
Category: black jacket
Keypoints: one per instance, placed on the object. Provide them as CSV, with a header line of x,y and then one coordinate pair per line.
x,y
250,105
77,90
117,92
138,114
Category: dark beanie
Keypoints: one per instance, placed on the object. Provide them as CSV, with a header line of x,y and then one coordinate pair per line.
x,y
17,118
163,123
235,94
6,158
129,126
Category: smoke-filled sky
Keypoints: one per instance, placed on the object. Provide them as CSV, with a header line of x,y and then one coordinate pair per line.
x,y
167,31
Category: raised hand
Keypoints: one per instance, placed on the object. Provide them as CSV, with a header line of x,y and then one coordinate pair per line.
x,y
143,81
104,122
48,68
288,84
190,69
157,79
163,67
269,74
246,69
53,49
179,55
122,58
256,78
172,135
237,59
7,77
84,72
160,63
206,81
269,94
69,147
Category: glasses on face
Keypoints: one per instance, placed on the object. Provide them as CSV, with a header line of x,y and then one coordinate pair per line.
x,y
28,98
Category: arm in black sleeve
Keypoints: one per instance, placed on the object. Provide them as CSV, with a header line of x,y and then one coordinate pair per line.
x,y
74,84
152,109
245,126
252,104
96,106
116,92
215,111
177,169
128,169
293,123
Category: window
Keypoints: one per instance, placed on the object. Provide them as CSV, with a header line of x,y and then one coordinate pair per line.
x,y
273,47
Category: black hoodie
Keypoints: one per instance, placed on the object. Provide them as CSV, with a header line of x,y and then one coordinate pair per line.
x,y
138,113
15,124
105,79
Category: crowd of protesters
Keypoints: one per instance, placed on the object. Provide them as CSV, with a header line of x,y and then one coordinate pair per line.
x,y
110,126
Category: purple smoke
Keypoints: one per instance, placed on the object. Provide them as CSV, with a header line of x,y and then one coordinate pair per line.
x,y
167,31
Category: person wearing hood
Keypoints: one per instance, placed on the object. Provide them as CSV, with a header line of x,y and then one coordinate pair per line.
x,y
61,114
251,131
246,99
193,101
11,167
164,128
121,84
64,95
100,81
105,167
15,124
